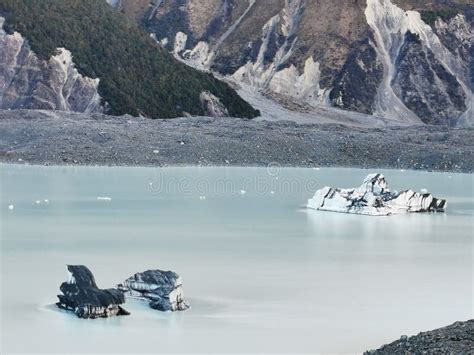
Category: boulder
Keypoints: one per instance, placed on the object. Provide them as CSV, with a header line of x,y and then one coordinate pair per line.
x,y
163,289
81,295
374,198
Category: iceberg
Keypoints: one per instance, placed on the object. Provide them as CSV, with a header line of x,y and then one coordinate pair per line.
x,y
81,295
374,198
163,289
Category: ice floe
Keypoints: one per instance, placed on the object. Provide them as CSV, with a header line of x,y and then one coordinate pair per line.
x,y
104,198
374,198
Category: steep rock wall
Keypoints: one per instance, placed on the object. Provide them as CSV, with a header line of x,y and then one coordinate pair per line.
x,y
55,84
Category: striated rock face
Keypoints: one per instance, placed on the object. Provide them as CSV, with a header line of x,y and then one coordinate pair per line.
x,y
422,78
457,338
81,295
374,198
163,289
425,86
370,56
55,84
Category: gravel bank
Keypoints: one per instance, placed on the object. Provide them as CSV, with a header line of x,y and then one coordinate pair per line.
x,y
42,137
457,338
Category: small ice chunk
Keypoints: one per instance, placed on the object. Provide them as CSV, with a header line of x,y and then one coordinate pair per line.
x,y
272,192
46,200
38,202
11,207
104,198
424,191
243,192
202,198
156,151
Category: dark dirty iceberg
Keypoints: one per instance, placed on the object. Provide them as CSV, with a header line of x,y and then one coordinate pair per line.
x,y
374,198
81,295
163,289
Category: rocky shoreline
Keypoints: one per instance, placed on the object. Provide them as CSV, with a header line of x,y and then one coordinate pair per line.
x,y
61,138
457,338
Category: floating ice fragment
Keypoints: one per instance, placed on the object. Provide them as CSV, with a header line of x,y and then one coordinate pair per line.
x,y
243,192
104,198
156,151
38,202
81,295
202,198
374,198
272,192
11,207
424,191
162,289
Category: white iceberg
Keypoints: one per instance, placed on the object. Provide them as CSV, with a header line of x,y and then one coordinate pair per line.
x,y
374,198
104,198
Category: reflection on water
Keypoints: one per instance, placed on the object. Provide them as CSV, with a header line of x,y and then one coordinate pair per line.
x,y
262,273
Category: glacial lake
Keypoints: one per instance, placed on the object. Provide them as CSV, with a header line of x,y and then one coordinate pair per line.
x,y
261,272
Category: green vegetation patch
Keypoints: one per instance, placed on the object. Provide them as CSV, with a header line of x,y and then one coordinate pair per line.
x,y
136,75
429,17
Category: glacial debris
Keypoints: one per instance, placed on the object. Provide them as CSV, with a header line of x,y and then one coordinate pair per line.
x,y
456,338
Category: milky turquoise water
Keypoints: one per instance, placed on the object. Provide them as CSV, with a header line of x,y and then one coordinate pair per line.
x,y
262,273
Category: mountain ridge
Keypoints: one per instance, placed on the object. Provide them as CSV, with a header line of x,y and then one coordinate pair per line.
x,y
330,53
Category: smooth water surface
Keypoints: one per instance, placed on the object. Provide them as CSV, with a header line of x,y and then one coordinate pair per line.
x,y
262,273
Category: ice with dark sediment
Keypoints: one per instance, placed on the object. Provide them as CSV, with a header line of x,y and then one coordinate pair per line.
x,y
374,198
163,289
81,295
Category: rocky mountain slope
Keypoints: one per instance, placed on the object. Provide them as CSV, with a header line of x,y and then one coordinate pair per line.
x,y
85,56
402,59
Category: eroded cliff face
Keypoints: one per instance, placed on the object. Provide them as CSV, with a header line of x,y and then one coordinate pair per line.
x,y
55,84
423,79
372,56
